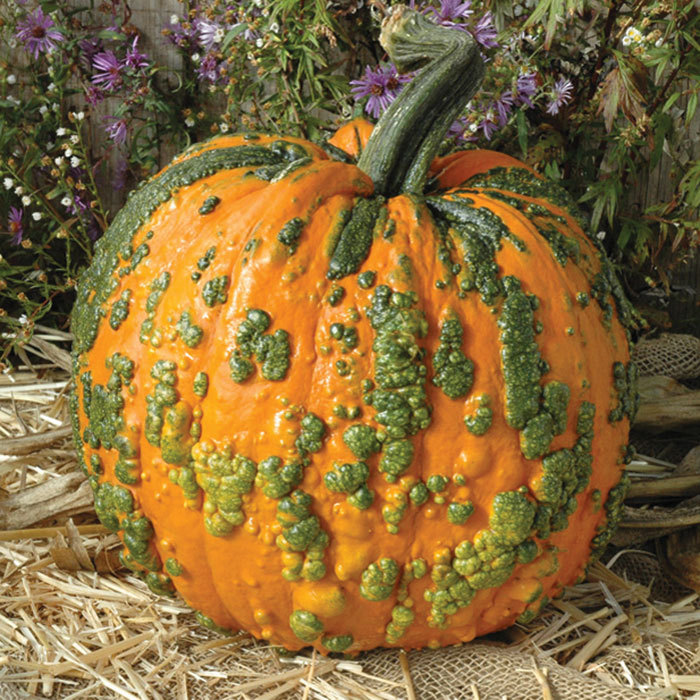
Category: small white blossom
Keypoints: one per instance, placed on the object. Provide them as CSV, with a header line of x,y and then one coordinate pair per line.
x,y
50,145
75,139
218,35
195,57
58,160
60,131
473,127
75,161
259,43
68,152
43,109
274,28
26,200
55,106
7,183
19,190
79,116
223,127
626,41
189,122
66,201
23,320
600,235
51,87
13,99
12,79
174,19
659,42
36,215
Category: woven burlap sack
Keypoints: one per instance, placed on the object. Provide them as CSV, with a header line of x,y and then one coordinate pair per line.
x,y
671,354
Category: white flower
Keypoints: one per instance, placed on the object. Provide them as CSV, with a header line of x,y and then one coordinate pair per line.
x,y
60,131
36,215
626,40
75,161
259,43
195,57
223,127
26,200
23,320
58,160
75,139
174,19
19,190
274,27
473,127
50,145
66,201
13,99
189,122
7,183
51,87
79,116
54,106
600,235
43,109
218,35
68,152
12,79
659,42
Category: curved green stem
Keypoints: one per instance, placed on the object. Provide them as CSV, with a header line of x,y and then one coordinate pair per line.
x,y
408,136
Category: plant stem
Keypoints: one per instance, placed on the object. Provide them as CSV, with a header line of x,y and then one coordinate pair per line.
x,y
408,136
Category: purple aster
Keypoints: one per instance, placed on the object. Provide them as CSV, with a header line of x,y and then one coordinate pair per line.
x,y
93,95
525,88
381,86
208,68
457,128
451,10
37,32
488,126
208,32
503,106
134,58
108,69
116,130
484,31
89,48
561,95
14,225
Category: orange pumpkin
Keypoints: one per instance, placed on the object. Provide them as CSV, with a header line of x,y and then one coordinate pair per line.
x,y
336,406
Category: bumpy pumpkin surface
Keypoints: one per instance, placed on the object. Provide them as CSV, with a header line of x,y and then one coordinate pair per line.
x,y
338,418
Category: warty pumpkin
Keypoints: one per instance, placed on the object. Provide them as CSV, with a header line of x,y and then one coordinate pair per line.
x,y
351,405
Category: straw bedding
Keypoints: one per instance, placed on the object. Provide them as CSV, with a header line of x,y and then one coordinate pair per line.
x,y
75,625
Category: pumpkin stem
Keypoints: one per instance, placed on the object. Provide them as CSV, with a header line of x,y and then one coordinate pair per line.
x,y
406,140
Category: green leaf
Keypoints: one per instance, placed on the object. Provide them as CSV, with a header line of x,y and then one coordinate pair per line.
x,y
521,122
692,106
110,34
231,34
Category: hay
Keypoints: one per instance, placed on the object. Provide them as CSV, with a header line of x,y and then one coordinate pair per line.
x,y
73,624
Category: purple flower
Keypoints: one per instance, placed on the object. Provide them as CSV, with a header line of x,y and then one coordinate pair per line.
x,y
37,32
451,10
14,225
562,92
93,95
503,106
489,126
484,31
208,68
525,88
108,69
116,130
134,58
457,128
209,33
381,86
89,48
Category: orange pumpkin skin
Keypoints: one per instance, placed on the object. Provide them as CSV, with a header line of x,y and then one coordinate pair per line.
x,y
482,543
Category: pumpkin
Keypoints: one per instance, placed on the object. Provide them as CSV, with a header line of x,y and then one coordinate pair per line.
x,y
351,405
